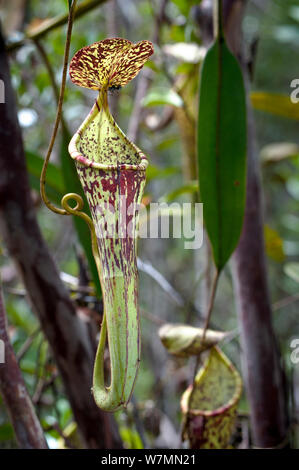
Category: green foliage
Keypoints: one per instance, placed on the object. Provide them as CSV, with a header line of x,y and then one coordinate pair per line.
x,y
54,177
131,438
221,145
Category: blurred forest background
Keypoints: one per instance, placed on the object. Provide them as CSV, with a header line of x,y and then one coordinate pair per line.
x,y
157,110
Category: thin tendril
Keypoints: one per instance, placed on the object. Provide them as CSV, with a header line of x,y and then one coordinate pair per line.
x,y
44,196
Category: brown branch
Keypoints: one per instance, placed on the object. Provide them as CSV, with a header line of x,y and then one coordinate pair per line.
x,y
28,431
66,333
53,23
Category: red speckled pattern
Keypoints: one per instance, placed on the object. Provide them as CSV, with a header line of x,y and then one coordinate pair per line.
x,y
107,63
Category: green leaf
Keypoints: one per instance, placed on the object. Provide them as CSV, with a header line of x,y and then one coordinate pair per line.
x,y
131,438
21,316
183,6
73,185
54,177
151,65
221,142
162,97
55,185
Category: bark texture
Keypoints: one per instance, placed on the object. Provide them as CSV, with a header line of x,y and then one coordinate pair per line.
x,y
68,336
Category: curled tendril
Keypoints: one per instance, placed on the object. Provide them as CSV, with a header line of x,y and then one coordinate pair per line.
x,y
79,203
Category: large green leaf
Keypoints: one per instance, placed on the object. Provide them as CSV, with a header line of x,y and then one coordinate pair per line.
x,y
72,185
221,142
55,184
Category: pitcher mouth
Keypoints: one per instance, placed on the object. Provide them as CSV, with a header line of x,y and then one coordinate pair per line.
x,y
78,155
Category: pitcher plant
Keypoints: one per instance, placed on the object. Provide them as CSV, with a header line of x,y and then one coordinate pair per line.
x,y
112,172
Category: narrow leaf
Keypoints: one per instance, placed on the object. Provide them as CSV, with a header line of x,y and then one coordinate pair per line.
x,y
221,144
